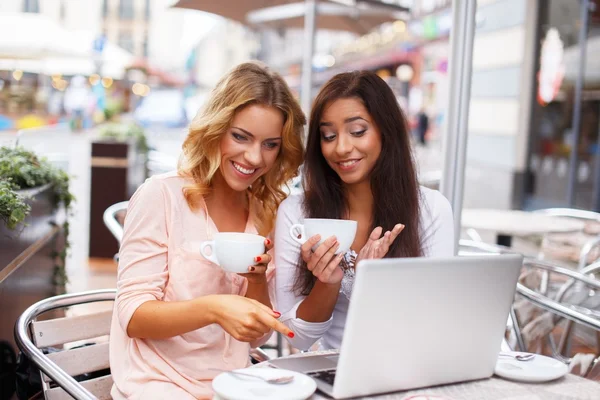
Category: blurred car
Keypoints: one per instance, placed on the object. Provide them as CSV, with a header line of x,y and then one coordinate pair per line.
x,y
162,108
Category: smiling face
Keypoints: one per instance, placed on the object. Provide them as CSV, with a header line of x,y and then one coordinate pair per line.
x,y
350,140
251,145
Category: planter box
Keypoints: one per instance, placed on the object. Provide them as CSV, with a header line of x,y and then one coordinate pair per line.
x,y
118,169
26,263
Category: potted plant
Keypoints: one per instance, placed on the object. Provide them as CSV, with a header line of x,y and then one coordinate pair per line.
x,y
32,191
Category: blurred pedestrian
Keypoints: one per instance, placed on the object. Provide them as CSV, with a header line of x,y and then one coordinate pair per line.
x,y
422,126
76,101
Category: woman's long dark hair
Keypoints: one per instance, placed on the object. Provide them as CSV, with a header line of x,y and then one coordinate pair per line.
x,y
393,179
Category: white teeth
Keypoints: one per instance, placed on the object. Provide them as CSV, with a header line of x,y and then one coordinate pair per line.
x,y
348,163
243,170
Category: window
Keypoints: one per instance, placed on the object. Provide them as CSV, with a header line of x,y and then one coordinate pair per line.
x,y
126,10
126,41
31,6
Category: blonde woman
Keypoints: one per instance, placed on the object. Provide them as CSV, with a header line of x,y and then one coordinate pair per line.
x,y
176,313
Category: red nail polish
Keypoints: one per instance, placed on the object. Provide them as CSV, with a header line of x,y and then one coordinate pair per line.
x,y
291,334
257,259
277,312
252,268
268,241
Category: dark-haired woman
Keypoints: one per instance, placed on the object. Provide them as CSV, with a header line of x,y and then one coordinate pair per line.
x,y
358,166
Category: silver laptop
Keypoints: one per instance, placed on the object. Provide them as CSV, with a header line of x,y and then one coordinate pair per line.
x,y
418,322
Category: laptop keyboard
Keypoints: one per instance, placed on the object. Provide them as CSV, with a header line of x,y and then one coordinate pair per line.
x,y
326,375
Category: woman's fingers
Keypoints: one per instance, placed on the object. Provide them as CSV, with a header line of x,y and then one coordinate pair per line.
x,y
268,244
320,251
388,239
257,269
375,234
275,324
306,248
262,259
332,266
268,310
257,326
325,260
395,232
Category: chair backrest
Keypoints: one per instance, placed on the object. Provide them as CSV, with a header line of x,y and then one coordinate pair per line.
x,y
84,343
591,231
113,219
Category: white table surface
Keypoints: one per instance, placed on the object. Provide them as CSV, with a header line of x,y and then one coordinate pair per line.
x,y
570,387
517,223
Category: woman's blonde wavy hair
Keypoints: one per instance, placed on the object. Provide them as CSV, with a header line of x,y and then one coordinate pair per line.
x,y
248,83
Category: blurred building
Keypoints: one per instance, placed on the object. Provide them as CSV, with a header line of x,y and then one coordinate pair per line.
x,y
71,14
227,44
126,22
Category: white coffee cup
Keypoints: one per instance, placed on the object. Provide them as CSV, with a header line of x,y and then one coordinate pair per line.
x,y
343,229
233,251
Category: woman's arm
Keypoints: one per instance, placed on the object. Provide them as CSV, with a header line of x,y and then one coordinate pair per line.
x,y
287,255
259,290
259,276
245,319
161,319
319,304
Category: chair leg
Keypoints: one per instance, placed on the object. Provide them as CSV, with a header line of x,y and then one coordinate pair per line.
x,y
564,345
517,329
279,345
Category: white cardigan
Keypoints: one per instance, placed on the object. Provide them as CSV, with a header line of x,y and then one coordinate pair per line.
x,y
437,238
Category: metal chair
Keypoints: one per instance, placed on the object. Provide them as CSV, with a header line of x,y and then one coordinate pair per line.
x,y
574,286
111,219
556,308
31,336
584,215
60,367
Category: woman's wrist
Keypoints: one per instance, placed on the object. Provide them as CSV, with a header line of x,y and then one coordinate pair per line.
x,y
334,287
210,306
257,280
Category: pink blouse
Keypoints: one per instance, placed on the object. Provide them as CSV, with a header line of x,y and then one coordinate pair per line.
x,y
160,260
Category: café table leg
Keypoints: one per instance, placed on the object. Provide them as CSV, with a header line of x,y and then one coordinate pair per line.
x,y
504,240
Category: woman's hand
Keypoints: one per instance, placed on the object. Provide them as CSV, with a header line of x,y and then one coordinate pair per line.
x,y
246,319
256,272
323,262
377,246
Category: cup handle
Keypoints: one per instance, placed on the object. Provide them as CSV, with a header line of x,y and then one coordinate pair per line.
x,y
211,257
294,230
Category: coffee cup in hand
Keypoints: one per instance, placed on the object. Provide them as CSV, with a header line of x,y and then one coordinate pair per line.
x,y
233,251
343,229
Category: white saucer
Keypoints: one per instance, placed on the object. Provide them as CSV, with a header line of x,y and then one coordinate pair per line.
x,y
540,369
236,387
